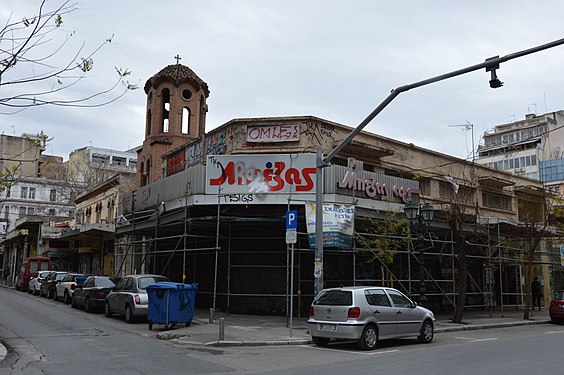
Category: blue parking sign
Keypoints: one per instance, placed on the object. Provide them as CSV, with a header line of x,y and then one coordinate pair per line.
x,y
292,219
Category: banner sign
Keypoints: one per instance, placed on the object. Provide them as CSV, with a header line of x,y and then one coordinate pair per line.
x,y
273,133
260,174
338,225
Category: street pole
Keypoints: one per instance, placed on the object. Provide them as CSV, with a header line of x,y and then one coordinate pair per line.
x,y
421,244
490,64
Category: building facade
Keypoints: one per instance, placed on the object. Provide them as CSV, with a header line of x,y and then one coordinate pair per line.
x,y
215,216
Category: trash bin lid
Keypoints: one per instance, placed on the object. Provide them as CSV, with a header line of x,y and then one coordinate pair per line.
x,y
171,285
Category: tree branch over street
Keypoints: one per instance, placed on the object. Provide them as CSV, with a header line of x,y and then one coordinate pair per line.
x,y
36,68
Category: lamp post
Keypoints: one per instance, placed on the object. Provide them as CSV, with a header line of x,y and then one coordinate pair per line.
x,y
420,217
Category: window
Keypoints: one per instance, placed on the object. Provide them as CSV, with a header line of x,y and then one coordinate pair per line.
x,y
31,193
22,211
425,186
185,120
51,212
165,109
399,299
8,192
30,210
23,192
334,298
377,297
53,195
149,119
6,211
496,200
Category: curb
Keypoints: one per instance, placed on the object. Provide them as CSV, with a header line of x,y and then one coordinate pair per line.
x,y
471,327
260,343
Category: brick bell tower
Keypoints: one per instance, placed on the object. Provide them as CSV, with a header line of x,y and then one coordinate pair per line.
x,y
176,114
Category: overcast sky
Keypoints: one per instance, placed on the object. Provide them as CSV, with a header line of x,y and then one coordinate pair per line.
x,y
332,59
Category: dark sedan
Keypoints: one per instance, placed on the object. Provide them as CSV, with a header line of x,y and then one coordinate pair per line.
x,y
92,294
49,283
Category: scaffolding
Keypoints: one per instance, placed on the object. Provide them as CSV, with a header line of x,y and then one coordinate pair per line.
x,y
241,262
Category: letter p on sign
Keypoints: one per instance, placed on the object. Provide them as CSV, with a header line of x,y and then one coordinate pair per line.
x,y
292,219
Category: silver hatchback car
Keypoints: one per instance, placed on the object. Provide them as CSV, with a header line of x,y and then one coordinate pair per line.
x,y
367,314
129,297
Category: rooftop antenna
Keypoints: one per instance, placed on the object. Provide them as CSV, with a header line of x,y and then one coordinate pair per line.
x,y
467,126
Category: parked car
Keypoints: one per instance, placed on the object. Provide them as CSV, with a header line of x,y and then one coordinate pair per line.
x,y
48,285
65,289
91,295
29,267
130,298
367,314
35,282
556,308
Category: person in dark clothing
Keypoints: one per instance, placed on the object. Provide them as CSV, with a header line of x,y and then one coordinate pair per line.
x,y
536,292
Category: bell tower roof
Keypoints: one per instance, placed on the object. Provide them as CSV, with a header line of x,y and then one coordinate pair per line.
x,y
177,74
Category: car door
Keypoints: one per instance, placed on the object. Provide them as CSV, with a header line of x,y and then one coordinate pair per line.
x,y
117,298
408,319
80,293
382,311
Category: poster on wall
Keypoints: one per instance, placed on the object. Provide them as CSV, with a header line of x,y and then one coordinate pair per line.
x,y
338,225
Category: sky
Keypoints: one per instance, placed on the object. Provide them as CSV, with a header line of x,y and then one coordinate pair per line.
x,y
337,60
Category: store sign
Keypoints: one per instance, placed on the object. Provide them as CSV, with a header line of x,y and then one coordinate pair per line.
x,y
338,225
374,188
273,133
260,174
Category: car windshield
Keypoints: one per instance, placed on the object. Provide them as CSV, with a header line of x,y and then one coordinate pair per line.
x,y
334,298
560,295
143,282
60,276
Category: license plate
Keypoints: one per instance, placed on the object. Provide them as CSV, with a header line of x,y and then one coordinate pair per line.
x,y
327,327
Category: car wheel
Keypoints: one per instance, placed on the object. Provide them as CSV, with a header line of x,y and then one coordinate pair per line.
x,y
55,295
40,292
87,306
67,298
427,332
49,294
73,303
129,317
150,325
320,341
107,310
369,338
29,291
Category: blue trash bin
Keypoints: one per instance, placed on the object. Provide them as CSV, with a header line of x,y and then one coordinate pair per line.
x,y
171,303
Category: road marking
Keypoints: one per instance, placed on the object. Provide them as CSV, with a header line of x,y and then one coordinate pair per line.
x,y
473,339
335,348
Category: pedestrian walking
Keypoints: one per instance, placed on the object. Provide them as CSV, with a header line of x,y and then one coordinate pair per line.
x,y
536,292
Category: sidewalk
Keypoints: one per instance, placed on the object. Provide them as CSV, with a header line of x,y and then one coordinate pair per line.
x,y
254,330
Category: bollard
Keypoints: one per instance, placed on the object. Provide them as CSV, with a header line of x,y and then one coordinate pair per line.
x,y
221,329
210,318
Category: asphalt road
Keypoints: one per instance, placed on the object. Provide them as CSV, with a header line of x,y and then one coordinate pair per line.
x,y
46,337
